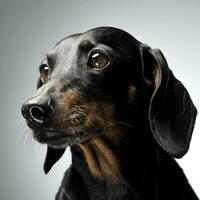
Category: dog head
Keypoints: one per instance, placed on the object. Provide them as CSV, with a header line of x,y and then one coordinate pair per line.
x,y
91,82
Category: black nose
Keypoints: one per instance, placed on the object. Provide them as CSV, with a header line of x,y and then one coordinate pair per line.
x,y
36,112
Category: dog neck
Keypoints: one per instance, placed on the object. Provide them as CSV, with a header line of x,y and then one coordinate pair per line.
x,y
124,165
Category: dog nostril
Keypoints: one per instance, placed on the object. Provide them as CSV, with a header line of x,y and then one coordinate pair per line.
x,y
37,114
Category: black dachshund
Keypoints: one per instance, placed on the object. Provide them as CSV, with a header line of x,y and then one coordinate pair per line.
x,y
118,106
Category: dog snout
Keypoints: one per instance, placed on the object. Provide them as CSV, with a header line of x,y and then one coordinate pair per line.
x,y
37,110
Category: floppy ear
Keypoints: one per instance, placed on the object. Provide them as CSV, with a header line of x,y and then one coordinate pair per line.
x,y
172,113
52,156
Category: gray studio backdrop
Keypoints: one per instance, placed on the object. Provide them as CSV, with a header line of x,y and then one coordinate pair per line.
x,y
28,28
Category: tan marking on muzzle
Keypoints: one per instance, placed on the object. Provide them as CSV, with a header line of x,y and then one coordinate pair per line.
x,y
69,99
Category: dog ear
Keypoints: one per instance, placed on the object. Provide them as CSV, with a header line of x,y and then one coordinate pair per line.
x,y
172,113
52,156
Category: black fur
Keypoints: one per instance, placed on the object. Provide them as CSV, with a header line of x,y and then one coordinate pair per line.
x,y
157,122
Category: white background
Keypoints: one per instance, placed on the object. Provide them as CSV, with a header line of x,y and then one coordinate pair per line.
x,y
28,29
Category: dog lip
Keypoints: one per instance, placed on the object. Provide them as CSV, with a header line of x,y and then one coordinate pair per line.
x,y
32,125
52,134
62,138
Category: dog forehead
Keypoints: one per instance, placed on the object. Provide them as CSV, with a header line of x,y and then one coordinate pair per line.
x,y
65,46
68,47
109,36
67,51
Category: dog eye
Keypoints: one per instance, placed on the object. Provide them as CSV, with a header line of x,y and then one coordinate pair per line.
x,y
44,73
98,60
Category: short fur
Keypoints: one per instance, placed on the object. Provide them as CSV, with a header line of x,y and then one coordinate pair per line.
x,y
124,122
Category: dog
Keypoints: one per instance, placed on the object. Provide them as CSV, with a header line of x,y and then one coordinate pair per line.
x,y
123,113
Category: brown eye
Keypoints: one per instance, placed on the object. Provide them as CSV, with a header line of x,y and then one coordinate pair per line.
x,y
44,73
98,60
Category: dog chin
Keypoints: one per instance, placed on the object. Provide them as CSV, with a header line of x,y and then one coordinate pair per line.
x,y
61,139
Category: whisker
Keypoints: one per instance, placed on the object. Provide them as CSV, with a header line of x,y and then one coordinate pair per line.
x,y
126,124
83,107
26,137
89,109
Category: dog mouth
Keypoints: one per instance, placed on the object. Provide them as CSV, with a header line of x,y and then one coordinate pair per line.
x,y
67,127
59,138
